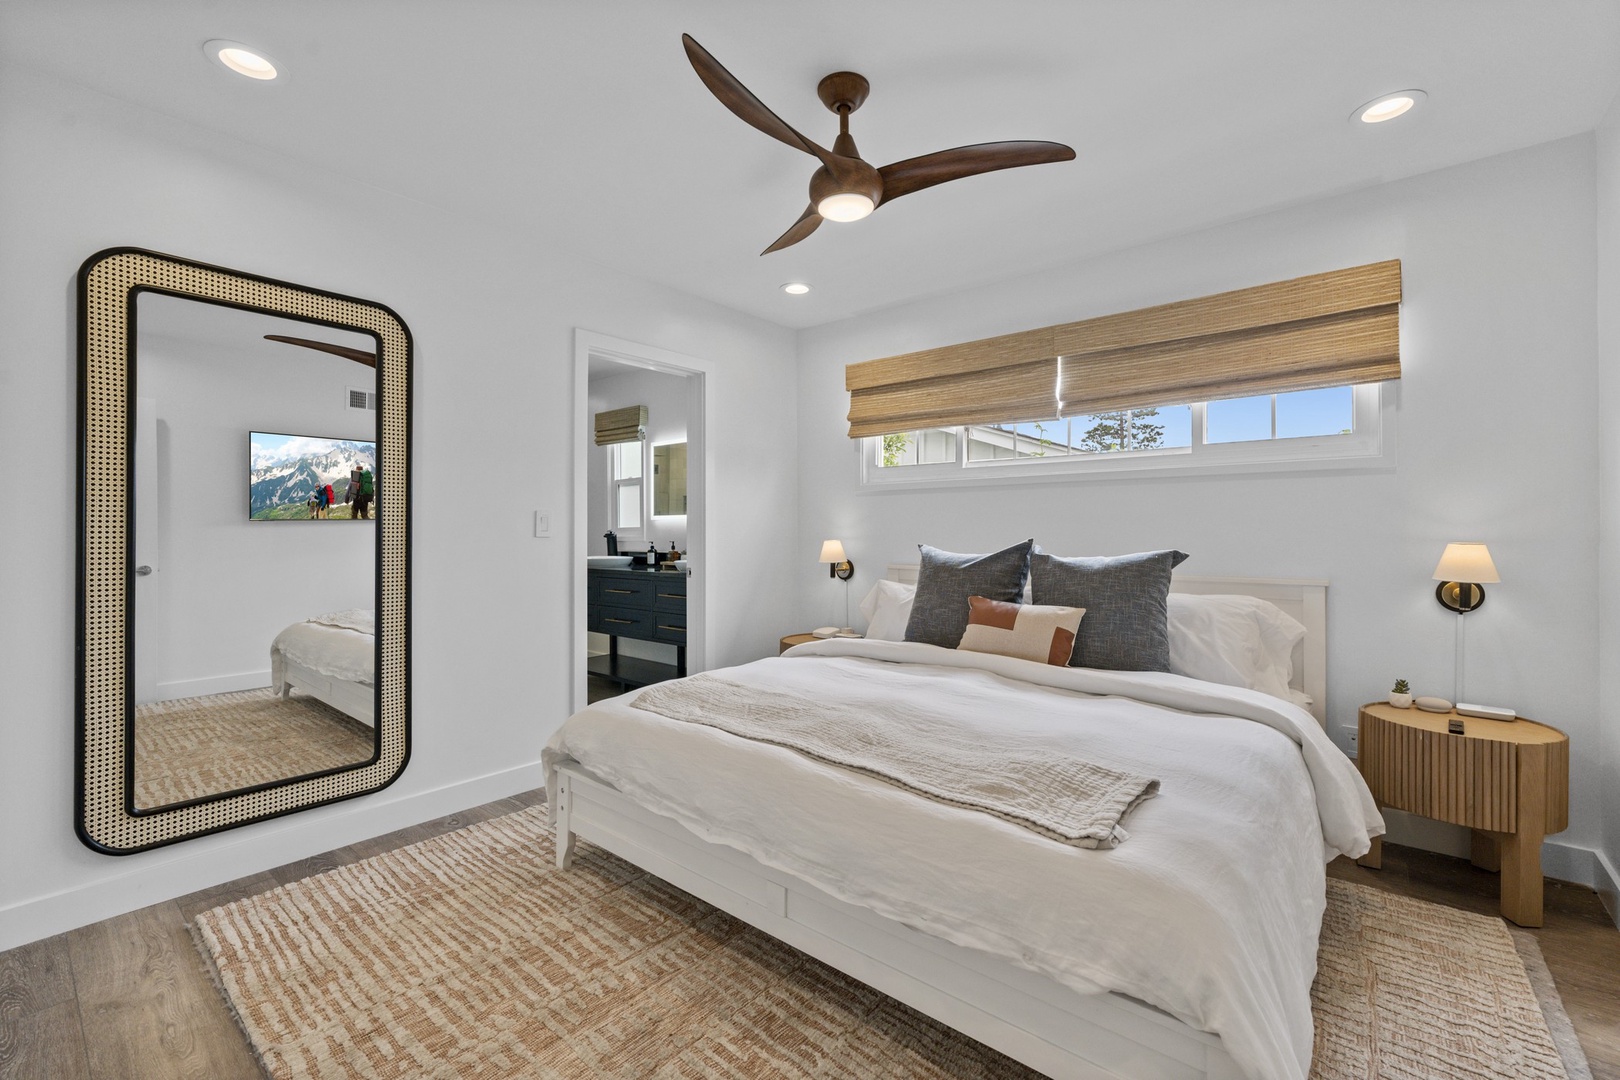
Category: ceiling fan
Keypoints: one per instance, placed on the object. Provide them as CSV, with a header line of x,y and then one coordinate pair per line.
x,y
359,356
846,188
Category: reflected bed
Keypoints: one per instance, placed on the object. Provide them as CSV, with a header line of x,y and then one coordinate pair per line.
x,y
332,658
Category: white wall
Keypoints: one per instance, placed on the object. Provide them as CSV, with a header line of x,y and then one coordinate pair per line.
x,y
1495,442
1608,579
493,315
224,586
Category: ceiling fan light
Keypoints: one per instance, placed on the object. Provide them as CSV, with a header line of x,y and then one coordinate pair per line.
x,y
845,206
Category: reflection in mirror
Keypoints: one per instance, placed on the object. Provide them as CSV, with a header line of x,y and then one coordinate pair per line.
x,y
255,468
669,479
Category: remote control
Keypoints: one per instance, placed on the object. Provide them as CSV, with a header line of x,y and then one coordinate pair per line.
x,y
1488,712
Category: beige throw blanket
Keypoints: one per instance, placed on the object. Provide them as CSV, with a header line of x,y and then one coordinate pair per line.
x,y
1060,797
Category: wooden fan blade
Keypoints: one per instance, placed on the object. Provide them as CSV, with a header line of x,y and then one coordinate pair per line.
x,y
359,356
914,174
741,101
808,222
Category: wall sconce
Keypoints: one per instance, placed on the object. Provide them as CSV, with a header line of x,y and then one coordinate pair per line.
x,y
1462,571
832,551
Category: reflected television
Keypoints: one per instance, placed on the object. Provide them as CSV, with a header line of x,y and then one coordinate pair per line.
x,y
308,478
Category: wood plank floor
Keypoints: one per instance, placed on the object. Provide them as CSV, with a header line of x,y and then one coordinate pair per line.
x,y
130,999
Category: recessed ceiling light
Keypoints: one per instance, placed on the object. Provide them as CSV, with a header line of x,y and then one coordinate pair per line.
x,y
1389,106
234,56
795,288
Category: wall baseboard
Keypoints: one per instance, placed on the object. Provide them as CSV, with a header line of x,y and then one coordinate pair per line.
x,y
136,881
219,684
1607,885
1565,862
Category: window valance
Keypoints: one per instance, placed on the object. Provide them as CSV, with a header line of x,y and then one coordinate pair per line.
x,y
1332,329
621,425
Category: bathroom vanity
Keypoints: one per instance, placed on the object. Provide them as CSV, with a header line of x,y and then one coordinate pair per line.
x,y
641,604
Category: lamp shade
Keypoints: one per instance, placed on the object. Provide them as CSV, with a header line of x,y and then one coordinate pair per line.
x,y
1468,561
833,551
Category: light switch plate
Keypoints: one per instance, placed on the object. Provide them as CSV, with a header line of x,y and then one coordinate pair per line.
x,y
542,524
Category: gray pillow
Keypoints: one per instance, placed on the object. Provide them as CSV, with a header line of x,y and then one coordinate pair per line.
x,y
1124,597
939,614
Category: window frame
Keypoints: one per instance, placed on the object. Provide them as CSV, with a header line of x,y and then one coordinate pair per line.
x,y
1369,445
616,482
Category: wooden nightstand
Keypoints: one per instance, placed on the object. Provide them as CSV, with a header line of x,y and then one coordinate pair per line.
x,y
795,639
1508,781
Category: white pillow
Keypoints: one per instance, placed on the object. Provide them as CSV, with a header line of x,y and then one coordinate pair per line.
x,y
1233,640
887,609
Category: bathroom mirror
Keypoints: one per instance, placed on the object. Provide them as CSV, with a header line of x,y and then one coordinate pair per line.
x,y
669,479
244,539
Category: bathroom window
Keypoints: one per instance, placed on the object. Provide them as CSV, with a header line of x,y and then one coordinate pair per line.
x,y
627,469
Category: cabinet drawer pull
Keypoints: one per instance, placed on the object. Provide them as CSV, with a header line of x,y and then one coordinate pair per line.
x,y
682,629
672,596
621,592
627,622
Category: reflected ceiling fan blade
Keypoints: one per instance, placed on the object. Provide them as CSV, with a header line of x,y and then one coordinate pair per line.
x,y
914,174
807,224
741,101
359,356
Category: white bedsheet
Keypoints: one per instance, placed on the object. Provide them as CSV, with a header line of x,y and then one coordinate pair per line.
x,y
1211,910
340,644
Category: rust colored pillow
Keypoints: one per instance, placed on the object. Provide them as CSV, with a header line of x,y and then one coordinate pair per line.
x,y
1038,632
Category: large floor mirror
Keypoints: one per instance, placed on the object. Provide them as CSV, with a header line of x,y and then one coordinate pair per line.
x,y
244,549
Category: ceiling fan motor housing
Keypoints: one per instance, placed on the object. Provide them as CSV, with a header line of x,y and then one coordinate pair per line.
x,y
858,178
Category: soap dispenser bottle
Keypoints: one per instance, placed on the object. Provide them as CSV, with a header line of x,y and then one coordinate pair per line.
x,y
652,554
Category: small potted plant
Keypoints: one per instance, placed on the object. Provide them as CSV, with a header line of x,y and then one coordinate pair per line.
x,y
1401,696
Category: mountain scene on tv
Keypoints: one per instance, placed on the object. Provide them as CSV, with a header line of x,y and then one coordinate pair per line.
x,y
287,474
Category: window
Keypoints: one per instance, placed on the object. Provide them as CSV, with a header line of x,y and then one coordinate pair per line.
x,y
626,466
1338,427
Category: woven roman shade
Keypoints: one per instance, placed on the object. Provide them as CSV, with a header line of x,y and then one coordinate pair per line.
x,y
1013,377
620,425
1334,329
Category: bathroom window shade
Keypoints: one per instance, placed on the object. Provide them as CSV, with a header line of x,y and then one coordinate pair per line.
x,y
1334,329
1013,377
620,425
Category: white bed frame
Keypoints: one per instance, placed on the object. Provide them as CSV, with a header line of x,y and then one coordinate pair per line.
x,y
355,699
1026,1016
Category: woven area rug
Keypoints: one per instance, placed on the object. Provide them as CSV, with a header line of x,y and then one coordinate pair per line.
x,y
469,955
199,746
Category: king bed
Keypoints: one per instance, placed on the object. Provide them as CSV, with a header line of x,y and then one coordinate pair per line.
x,y
331,657
1182,946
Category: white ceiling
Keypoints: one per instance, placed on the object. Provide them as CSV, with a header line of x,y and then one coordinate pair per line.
x,y
583,121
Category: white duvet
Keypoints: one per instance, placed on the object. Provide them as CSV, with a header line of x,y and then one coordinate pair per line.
x,y
340,644
1210,910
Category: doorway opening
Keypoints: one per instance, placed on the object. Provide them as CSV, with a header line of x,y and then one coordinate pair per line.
x,y
639,513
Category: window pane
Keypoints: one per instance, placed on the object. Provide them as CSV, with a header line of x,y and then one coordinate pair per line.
x,y
629,506
1132,429
627,460
1315,412
932,446
1038,439
1239,419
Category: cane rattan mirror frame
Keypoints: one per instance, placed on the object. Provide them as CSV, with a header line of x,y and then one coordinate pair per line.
x,y
109,283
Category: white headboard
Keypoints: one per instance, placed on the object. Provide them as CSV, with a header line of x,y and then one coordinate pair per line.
x,y
1303,598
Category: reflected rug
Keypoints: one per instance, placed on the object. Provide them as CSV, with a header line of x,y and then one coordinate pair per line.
x,y
193,747
469,955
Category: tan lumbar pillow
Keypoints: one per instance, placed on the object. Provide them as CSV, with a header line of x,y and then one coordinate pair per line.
x,y
1040,632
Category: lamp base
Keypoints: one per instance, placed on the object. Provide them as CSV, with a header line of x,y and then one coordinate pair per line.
x,y
1460,596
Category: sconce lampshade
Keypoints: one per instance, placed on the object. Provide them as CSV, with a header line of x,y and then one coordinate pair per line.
x,y
1462,569
832,551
